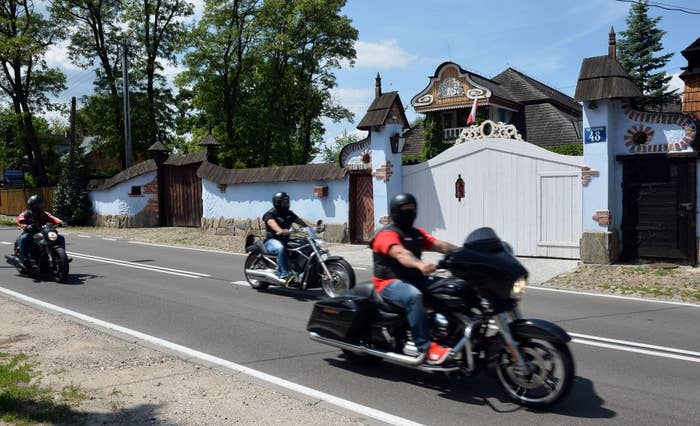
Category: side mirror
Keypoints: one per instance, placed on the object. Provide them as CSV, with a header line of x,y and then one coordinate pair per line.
x,y
320,227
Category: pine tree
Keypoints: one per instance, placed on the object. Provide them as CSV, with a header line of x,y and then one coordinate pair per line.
x,y
636,51
72,202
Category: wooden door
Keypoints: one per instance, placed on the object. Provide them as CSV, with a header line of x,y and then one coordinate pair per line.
x,y
183,196
659,204
361,208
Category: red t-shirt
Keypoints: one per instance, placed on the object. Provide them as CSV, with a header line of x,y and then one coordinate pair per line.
x,y
384,241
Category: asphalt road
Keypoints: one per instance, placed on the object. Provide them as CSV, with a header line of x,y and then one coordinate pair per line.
x,y
196,303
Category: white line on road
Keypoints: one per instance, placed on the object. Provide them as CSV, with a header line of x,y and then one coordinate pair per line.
x,y
613,296
639,351
109,239
188,248
84,236
313,393
244,283
637,344
5,242
187,274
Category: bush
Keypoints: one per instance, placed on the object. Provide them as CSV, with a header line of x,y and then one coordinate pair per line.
x,y
72,202
571,149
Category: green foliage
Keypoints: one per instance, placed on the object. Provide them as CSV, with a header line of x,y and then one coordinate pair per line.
x,y
636,50
331,153
72,202
408,160
571,149
432,138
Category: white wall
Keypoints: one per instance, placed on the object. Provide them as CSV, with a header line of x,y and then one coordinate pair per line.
x,y
249,201
116,201
530,196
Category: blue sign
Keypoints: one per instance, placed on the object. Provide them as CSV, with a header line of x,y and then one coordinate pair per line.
x,y
13,177
595,134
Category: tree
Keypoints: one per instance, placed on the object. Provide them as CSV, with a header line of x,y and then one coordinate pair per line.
x,y
72,202
94,33
330,153
432,138
25,78
636,51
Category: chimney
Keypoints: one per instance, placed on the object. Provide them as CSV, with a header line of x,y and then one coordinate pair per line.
x,y
378,86
612,49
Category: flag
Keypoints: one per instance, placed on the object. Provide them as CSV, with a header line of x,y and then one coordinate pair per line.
x,y
472,114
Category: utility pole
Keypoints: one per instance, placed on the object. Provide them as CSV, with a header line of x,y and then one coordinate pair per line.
x,y
128,155
71,153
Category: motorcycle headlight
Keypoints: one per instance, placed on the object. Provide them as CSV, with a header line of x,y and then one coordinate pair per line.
x,y
52,235
518,290
319,242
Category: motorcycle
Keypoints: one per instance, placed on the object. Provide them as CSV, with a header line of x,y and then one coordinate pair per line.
x,y
47,254
314,265
474,311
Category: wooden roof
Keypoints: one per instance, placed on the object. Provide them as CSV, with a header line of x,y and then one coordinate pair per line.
x,y
305,172
526,89
182,160
137,169
602,77
378,112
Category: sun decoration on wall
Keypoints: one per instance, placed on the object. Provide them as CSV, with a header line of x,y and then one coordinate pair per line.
x,y
637,136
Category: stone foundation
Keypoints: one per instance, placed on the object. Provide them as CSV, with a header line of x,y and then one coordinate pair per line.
x,y
334,233
600,247
145,219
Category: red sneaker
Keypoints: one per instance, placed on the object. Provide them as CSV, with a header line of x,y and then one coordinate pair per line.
x,y
436,353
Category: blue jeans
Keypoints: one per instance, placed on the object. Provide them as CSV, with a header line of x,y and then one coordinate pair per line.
x,y
279,249
410,297
25,244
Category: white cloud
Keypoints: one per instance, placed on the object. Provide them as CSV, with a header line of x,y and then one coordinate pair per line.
x,y
383,55
356,100
676,83
57,57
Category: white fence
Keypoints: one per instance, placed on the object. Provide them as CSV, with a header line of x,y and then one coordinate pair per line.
x,y
530,196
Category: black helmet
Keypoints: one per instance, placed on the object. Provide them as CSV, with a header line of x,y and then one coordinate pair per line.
x,y
403,218
280,201
35,202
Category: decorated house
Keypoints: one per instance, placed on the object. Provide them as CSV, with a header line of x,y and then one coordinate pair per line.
x,y
640,168
541,114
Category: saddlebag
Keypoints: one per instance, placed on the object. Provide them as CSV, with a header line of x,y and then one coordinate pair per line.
x,y
341,317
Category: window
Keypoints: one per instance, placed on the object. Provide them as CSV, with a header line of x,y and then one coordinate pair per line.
x,y
135,190
448,120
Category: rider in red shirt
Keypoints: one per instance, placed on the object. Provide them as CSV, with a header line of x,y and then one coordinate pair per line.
x,y
400,274
31,222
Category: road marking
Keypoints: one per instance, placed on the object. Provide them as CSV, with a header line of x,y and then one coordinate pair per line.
x,y
188,248
637,344
84,236
613,296
359,268
188,352
109,239
244,283
153,268
636,350
5,242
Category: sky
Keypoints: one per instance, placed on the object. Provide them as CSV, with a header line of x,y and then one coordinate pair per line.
x,y
406,40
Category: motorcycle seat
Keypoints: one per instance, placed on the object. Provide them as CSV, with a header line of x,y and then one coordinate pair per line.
x,y
367,290
257,247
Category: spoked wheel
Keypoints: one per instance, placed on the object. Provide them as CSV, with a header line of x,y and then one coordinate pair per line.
x,y
342,277
253,261
59,265
550,378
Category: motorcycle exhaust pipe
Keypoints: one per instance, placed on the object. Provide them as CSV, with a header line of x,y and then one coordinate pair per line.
x,y
389,356
266,275
13,261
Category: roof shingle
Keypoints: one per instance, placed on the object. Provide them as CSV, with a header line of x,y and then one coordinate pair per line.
x,y
305,172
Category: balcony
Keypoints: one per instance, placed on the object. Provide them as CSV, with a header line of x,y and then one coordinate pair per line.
x,y
452,133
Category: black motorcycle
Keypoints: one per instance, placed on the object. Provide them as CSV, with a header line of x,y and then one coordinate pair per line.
x,y
474,312
313,264
47,254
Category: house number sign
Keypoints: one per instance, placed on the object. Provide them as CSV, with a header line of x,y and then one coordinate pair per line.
x,y
595,134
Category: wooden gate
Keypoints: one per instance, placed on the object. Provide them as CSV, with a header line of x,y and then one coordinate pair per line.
x,y
658,212
182,196
530,196
361,208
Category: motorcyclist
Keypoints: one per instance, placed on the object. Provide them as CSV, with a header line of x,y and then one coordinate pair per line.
x,y
31,222
278,220
400,275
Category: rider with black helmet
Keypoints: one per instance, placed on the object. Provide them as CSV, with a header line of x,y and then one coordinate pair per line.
x,y
31,222
400,274
278,220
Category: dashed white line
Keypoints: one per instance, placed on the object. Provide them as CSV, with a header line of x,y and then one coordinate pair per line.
x,y
188,352
84,236
109,239
188,248
244,283
613,296
128,264
5,242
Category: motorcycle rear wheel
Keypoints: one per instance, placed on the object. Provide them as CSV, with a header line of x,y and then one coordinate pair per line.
x,y
551,376
59,265
253,261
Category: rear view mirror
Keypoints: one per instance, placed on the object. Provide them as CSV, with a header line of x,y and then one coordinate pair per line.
x,y
320,227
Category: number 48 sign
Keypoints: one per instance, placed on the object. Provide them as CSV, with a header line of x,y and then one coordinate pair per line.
x,y
594,134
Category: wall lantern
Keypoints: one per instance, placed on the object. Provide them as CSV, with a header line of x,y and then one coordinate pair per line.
x,y
394,139
321,191
459,188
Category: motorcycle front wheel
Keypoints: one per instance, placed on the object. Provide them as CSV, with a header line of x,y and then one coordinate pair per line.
x,y
59,264
342,277
550,378
254,261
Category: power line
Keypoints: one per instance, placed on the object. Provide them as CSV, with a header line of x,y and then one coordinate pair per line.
x,y
664,6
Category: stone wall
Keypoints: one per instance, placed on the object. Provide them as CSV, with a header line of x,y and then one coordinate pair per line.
x,y
146,218
334,233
